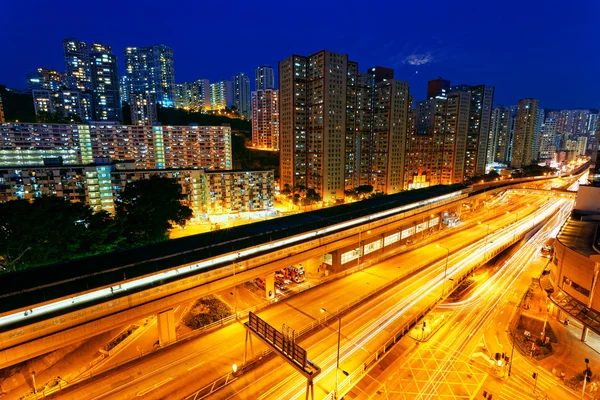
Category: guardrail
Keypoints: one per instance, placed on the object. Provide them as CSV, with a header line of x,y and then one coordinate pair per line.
x,y
326,319
371,361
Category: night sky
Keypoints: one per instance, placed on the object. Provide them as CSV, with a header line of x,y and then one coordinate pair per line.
x,y
549,50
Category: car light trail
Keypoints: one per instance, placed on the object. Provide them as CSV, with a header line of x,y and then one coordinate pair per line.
x,y
106,293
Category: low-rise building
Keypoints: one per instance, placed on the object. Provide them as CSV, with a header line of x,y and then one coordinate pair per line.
x,y
152,147
208,192
572,276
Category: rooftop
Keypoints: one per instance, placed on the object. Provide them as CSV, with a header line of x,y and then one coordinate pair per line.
x,y
580,235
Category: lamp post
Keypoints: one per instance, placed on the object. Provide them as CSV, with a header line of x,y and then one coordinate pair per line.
x,y
33,379
445,268
360,249
585,377
234,293
337,365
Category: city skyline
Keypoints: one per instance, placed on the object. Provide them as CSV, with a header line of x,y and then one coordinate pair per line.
x,y
520,70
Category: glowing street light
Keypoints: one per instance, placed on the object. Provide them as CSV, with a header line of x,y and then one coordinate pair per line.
x,y
337,366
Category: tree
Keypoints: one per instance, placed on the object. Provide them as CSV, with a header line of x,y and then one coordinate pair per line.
x,y
311,197
48,230
148,208
286,189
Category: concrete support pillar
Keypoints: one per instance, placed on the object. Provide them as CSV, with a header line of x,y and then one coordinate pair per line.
x,y
270,286
584,333
166,327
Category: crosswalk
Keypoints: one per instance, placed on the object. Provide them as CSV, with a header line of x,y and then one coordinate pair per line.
x,y
521,386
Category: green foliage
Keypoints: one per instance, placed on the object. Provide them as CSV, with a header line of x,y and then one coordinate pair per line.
x,y
490,176
147,208
360,192
311,197
206,311
126,113
173,116
58,118
48,230
248,158
51,229
17,107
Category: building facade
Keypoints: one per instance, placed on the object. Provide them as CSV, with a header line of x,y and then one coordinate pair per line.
x,y
573,271
241,95
151,70
151,147
327,141
480,115
527,118
143,109
1,110
436,151
193,96
499,139
45,79
77,65
105,83
265,119
220,95
66,102
208,193
264,78
547,141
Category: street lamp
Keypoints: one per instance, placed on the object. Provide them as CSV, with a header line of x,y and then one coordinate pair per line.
x,y
585,376
445,268
234,293
337,366
360,250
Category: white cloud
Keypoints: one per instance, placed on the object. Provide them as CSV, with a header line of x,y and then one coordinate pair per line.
x,y
419,59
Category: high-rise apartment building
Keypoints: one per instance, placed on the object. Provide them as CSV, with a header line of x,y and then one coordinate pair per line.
x,y
264,78
105,83
436,149
150,70
241,95
45,79
547,141
193,96
66,102
77,65
329,142
537,138
438,88
480,115
143,108
265,119
499,139
527,119
207,192
151,147
124,89
220,95
1,110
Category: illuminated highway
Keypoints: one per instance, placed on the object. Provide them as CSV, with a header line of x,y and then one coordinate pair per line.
x,y
474,332
365,328
174,361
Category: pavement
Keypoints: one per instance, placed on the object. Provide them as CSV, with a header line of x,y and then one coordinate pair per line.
x,y
213,354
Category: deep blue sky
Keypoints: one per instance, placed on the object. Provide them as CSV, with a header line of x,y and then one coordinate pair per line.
x,y
549,50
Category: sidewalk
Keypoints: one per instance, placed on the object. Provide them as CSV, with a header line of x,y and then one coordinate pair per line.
x,y
570,352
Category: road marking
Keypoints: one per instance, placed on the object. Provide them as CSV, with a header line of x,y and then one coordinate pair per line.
x,y
197,365
151,388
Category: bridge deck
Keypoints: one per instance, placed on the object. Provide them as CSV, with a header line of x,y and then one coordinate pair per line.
x,y
42,284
